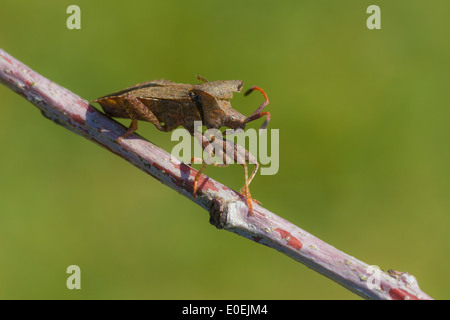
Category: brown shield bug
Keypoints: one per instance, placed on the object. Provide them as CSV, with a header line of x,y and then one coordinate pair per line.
x,y
169,105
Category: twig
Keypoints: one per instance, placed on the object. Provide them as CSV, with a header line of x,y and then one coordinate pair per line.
x,y
227,208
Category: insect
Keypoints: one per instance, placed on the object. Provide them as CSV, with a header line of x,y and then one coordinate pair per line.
x,y
169,105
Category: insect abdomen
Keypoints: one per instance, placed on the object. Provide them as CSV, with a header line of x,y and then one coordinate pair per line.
x,y
113,108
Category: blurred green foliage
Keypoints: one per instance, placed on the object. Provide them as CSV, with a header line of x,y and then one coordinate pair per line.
x,y
364,147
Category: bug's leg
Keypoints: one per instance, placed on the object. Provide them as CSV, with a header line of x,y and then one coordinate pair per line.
x,y
251,178
246,186
133,127
196,159
253,173
245,190
197,177
142,112
250,159
199,173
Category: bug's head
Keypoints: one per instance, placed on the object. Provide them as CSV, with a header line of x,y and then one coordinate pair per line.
x,y
258,112
235,120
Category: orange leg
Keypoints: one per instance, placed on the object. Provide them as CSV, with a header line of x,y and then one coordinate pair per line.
x,y
199,173
197,177
246,190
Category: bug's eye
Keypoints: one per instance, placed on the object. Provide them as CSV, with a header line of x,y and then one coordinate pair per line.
x,y
233,118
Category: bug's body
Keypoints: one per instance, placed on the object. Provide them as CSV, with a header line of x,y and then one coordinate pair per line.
x,y
169,105
172,104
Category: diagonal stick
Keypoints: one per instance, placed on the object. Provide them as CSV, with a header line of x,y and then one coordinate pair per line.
x,y
227,208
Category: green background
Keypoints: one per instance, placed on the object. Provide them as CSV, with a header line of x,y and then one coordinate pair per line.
x,y
364,147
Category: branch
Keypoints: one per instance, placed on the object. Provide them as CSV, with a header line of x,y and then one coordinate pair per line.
x,y
227,208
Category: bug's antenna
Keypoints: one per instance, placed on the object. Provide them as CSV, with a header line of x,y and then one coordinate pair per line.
x,y
257,113
199,77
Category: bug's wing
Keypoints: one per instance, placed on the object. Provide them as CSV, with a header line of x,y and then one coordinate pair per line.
x,y
161,82
150,84
210,109
169,92
140,86
153,91
221,89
